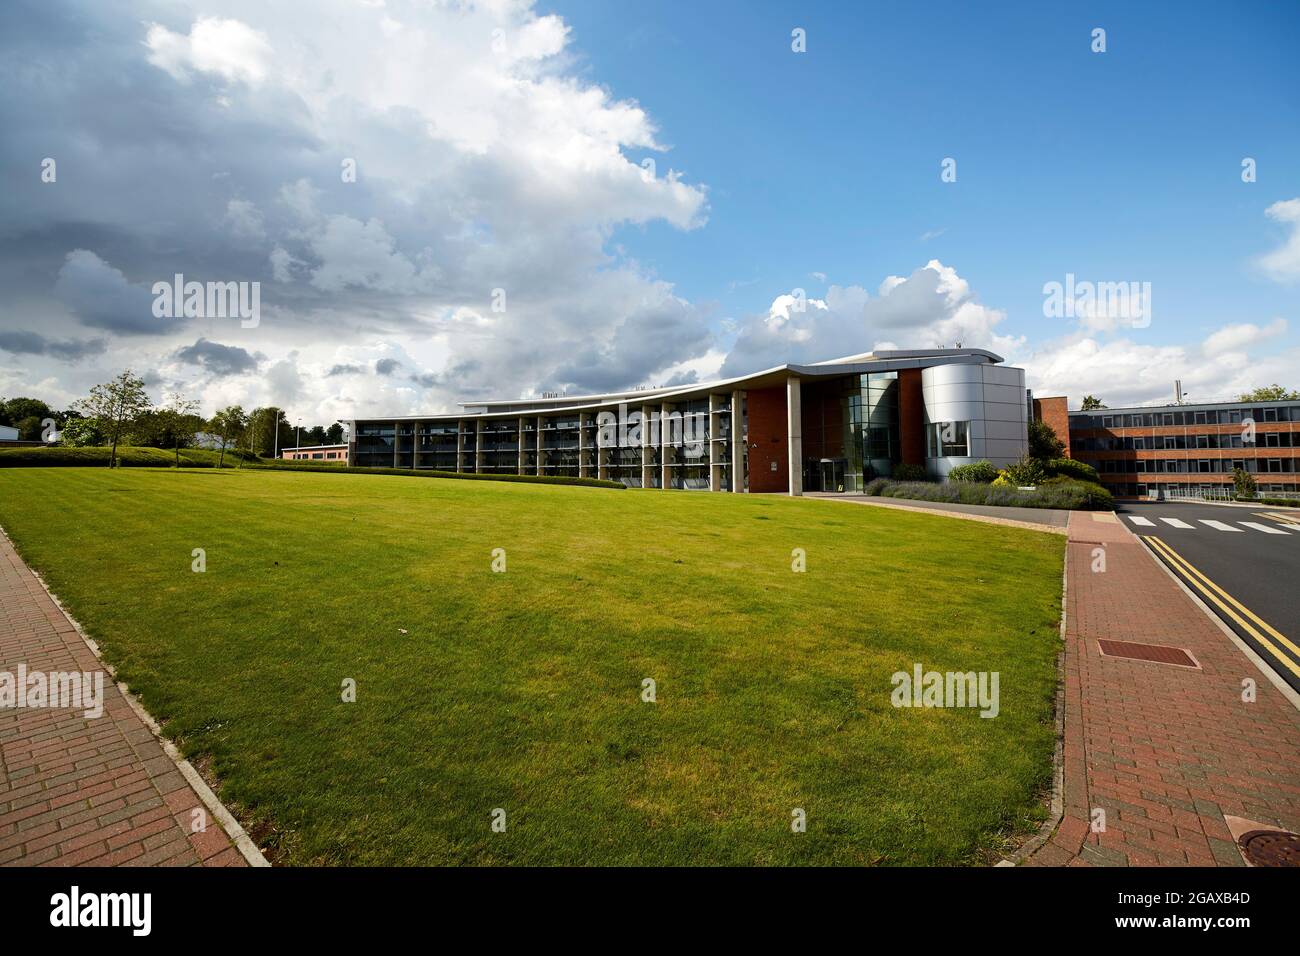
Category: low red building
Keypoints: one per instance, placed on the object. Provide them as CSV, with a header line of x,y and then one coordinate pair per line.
x,y
335,453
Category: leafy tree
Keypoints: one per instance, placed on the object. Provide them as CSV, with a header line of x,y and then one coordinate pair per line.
x,y
179,420
334,434
1043,443
81,432
228,425
1244,483
14,410
115,406
1091,402
1270,393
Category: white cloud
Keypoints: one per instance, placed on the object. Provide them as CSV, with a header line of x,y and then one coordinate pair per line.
x,y
934,306
1234,338
228,48
1283,263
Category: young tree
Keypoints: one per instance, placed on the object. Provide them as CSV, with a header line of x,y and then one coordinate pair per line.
x,y
1270,393
115,406
1090,403
179,420
1244,483
1043,443
228,425
334,434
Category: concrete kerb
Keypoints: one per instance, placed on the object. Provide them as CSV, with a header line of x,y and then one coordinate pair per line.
x,y
1057,809
241,840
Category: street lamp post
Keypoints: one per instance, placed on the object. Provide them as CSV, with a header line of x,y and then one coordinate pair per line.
x,y
298,440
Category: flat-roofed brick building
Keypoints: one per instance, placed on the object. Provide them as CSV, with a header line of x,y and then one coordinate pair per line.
x,y
1174,450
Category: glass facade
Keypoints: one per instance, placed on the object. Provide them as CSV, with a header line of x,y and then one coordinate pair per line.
x,y
850,431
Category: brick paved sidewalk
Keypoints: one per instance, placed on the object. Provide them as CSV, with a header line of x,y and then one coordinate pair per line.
x,y
85,791
1167,752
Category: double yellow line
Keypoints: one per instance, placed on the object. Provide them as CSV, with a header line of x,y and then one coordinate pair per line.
x,y
1249,622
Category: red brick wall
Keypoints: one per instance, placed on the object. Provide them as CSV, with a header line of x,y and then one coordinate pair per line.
x,y
768,440
911,416
1054,412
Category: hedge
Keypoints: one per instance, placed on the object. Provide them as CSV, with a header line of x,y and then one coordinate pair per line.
x,y
1069,496
129,456
429,473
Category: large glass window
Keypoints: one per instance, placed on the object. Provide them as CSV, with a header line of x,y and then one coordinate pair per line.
x,y
948,440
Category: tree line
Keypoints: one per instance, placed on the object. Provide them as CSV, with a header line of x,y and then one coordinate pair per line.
x,y
120,412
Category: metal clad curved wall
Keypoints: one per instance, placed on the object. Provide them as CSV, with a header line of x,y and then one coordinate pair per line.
x,y
991,398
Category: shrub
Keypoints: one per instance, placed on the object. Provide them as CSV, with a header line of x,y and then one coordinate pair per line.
x,y
978,471
1026,471
1069,468
908,472
874,486
1244,482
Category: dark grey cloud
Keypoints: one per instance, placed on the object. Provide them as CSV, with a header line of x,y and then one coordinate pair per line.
x,y
32,343
387,366
345,370
219,359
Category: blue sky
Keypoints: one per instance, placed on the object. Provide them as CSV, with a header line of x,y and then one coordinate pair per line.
x,y
500,237
1124,165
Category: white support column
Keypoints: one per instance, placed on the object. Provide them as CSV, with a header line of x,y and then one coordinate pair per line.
x,y
645,446
738,443
602,453
794,428
396,439
415,446
666,451
460,446
539,446
519,448
478,445
715,466
583,470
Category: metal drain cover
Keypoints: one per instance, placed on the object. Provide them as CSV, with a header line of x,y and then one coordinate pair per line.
x,y
1271,847
1156,653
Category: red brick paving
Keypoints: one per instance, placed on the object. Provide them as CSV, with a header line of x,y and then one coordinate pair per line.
x,y
1165,751
77,791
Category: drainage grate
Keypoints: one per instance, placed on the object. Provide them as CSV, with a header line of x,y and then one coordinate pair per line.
x,y
1270,847
1155,653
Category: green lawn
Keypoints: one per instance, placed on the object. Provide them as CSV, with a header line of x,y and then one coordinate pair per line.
x,y
522,690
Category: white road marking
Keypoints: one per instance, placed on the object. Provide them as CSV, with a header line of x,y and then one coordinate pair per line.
x,y
1220,526
1144,522
1176,522
1263,527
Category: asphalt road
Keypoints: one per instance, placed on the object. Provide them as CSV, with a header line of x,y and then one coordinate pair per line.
x,y
1256,569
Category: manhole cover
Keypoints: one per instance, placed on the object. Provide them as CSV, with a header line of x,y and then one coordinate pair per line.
x,y
1271,847
1156,653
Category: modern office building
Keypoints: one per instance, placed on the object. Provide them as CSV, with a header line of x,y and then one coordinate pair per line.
x,y
1175,450
827,426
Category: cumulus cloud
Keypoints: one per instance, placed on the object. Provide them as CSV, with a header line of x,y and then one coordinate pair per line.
x,y
217,358
31,343
1283,263
934,306
227,48
102,298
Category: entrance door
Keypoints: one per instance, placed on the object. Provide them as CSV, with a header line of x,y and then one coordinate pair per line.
x,y
833,474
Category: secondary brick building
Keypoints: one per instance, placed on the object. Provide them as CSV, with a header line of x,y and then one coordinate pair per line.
x,y
1190,449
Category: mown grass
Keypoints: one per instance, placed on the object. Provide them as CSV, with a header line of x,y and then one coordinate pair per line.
x,y
522,690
